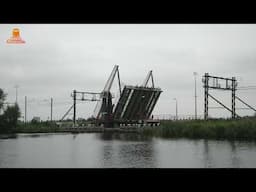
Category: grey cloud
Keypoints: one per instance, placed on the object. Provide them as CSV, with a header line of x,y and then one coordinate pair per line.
x,y
59,58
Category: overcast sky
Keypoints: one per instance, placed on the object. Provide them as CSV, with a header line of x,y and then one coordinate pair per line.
x,y
59,58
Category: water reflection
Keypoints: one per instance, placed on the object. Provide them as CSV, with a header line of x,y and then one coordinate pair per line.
x,y
35,135
108,136
206,155
108,156
74,135
39,134
8,136
138,152
221,154
137,155
122,150
74,150
234,156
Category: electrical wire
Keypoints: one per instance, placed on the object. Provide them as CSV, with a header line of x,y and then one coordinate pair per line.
x,y
251,87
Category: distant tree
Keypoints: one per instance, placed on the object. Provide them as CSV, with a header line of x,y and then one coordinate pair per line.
x,y
91,118
2,122
2,98
10,116
34,121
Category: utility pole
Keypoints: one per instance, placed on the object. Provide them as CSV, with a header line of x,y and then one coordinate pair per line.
x,y
195,74
51,109
215,84
206,90
25,109
16,86
74,115
233,97
176,108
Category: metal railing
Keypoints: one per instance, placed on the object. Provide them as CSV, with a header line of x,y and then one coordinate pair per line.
x,y
173,117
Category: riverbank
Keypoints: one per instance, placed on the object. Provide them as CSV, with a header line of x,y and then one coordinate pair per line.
x,y
42,127
47,127
239,129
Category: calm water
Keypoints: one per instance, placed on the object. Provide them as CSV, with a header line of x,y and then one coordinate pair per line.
x,y
90,150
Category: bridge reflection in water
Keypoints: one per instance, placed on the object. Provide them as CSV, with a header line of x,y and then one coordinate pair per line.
x,y
122,150
127,150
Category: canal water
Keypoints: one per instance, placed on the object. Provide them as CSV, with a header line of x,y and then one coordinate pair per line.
x,y
126,150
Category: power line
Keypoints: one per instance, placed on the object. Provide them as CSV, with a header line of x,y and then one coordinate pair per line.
x,y
251,87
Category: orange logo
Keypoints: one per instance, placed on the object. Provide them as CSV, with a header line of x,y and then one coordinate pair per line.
x,y
15,39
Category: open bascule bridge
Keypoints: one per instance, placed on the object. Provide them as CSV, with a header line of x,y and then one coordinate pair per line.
x,y
134,104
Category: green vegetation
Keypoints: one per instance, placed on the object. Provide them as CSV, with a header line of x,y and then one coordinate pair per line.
x,y
240,129
10,115
37,127
9,123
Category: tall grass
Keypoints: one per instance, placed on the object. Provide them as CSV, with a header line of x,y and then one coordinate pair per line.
x,y
240,129
42,127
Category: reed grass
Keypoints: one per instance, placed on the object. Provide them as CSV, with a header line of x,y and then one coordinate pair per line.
x,y
239,129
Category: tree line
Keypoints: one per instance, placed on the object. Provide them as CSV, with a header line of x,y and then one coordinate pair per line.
x,y
8,115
